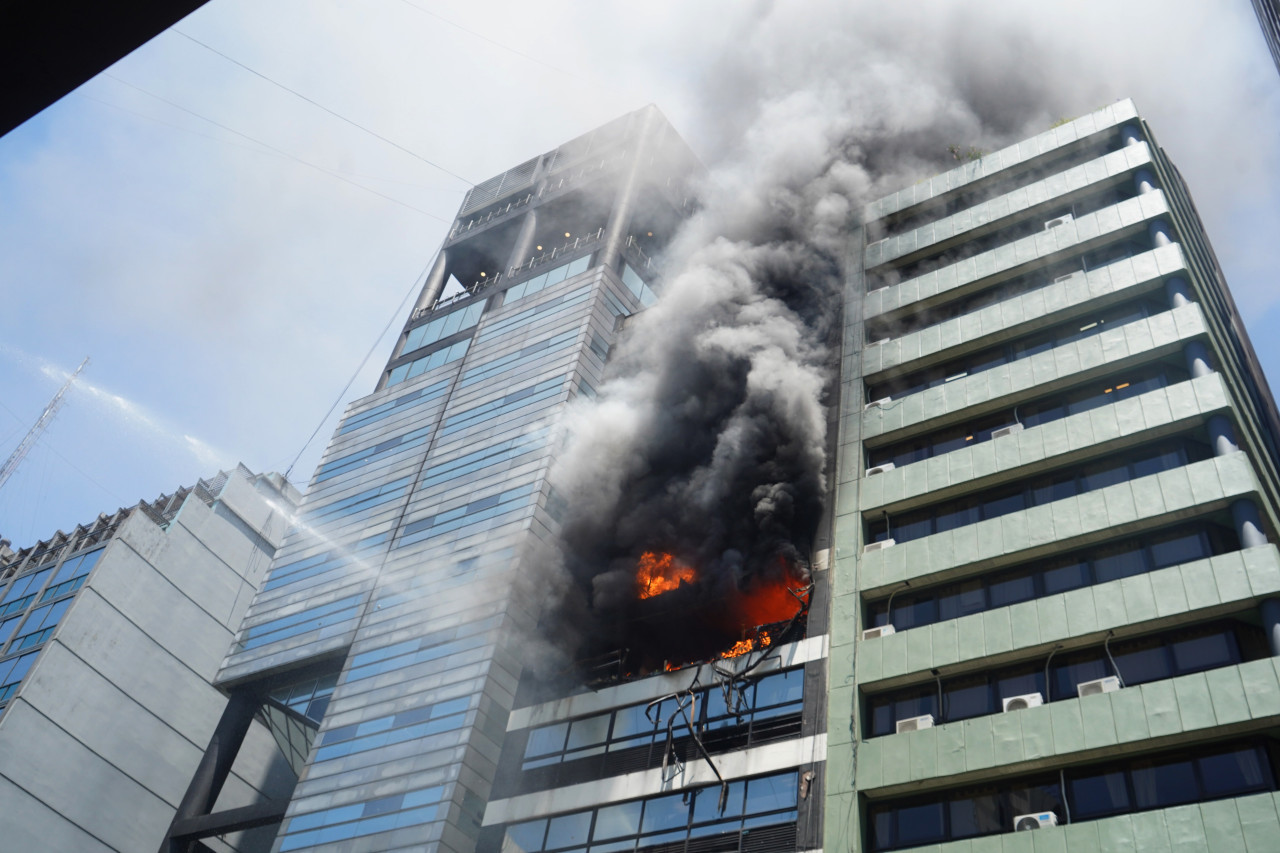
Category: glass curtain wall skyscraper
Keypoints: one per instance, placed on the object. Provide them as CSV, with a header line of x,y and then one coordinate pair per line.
x,y
390,618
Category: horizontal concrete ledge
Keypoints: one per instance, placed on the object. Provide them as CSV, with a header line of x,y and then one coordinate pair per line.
x,y
1148,417
1214,705
1059,188
1019,257
1047,142
1201,589
1044,373
1118,510
1016,316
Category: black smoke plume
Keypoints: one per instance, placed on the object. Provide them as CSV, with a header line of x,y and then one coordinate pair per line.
x,y
709,439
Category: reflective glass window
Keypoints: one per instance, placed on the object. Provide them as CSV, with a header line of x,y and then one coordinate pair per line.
x,y
976,815
1165,784
1210,651
1098,795
1235,772
568,830
617,821
1179,549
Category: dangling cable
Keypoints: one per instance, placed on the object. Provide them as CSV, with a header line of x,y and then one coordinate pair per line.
x,y
1106,645
1047,690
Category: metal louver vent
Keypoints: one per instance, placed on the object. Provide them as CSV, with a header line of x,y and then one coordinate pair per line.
x,y
509,181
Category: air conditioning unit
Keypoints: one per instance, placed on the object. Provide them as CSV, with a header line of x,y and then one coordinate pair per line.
x,y
915,724
883,401
878,546
1012,429
882,631
1034,821
879,469
1021,703
1110,684
1060,279
1061,220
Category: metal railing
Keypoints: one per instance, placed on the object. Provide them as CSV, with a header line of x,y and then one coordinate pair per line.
x,y
637,256
572,246
576,175
496,213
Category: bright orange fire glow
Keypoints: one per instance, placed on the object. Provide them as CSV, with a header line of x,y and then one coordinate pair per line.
x,y
742,647
659,573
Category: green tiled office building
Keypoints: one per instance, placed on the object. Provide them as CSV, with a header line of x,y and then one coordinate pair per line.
x,y
1055,588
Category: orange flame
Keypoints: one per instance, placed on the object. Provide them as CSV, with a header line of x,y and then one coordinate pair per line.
x,y
659,573
742,647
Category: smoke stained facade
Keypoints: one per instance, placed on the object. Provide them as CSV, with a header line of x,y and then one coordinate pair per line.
x,y
730,509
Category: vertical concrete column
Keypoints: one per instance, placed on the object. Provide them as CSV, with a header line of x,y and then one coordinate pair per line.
x,y
1178,291
1222,436
624,205
1248,524
524,241
1270,612
1197,356
1161,233
1145,181
1131,134
434,284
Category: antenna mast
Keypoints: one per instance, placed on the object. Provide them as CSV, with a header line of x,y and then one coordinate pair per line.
x,y
15,459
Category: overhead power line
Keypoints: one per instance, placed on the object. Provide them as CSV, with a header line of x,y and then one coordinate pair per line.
x,y
319,105
280,151
343,393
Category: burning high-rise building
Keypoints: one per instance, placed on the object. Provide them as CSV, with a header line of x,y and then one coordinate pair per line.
x,y
637,546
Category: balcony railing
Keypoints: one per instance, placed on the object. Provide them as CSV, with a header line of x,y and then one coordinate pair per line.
x,y
496,213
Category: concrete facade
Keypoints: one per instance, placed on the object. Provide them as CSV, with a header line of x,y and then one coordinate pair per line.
x,y
979,350
98,740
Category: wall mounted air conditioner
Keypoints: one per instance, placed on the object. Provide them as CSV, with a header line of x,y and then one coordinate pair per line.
x,y
1110,684
879,469
914,724
1061,220
1060,279
883,401
1034,821
1012,429
882,631
1021,703
878,546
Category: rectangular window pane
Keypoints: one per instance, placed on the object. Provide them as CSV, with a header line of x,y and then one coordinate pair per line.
x,y
1120,562
1011,590
1201,653
665,813
920,825
978,815
568,830
1066,577
616,821
1179,549
1098,795
1235,772
1163,785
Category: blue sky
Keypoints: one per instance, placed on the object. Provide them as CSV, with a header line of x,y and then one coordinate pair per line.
x,y
227,252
